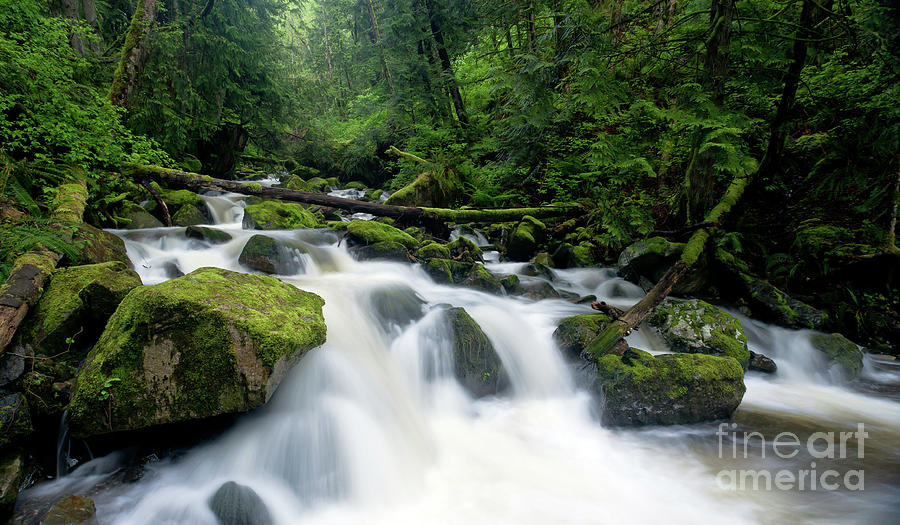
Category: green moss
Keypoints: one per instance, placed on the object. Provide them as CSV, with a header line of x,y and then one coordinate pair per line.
x,y
175,199
698,327
68,205
188,348
254,186
211,235
296,183
524,239
462,249
839,350
188,215
370,232
476,363
575,334
275,215
433,250
584,254
15,419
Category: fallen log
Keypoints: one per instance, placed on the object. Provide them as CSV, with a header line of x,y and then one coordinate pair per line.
x,y
410,214
621,327
30,271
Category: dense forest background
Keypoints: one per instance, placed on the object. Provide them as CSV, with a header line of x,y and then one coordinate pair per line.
x,y
642,111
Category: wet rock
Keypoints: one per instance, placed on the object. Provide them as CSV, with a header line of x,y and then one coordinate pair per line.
x,y
12,474
587,299
476,364
12,364
71,510
761,363
209,343
97,246
839,351
276,215
669,389
651,258
536,269
372,232
396,304
539,290
295,182
463,249
433,250
235,504
511,284
172,270
543,259
139,218
210,235
272,256
474,275
189,215
771,303
389,251
575,334
525,238
698,327
15,419
75,306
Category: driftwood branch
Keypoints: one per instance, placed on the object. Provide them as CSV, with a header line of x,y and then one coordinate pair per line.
x,y
159,200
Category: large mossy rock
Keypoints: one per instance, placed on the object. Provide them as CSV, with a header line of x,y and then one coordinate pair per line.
x,y
275,215
435,191
777,306
138,219
210,235
272,256
209,343
235,504
373,232
575,334
387,250
525,239
295,182
189,216
646,261
75,306
668,389
472,275
698,327
839,351
15,419
476,364
97,246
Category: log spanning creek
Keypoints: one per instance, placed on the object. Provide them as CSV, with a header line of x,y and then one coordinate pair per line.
x,y
375,427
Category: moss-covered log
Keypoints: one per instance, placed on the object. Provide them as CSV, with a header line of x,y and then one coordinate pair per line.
x,y
622,326
198,182
30,271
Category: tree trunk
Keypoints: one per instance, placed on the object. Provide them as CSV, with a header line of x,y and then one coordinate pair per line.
x,y
327,47
410,214
89,8
134,54
449,77
30,271
606,341
377,33
70,11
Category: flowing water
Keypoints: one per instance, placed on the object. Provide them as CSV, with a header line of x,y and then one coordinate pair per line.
x,y
373,428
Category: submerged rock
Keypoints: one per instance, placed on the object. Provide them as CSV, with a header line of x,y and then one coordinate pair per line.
x,y
209,343
669,389
698,327
476,364
276,215
71,510
210,235
839,351
272,256
525,238
75,306
235,504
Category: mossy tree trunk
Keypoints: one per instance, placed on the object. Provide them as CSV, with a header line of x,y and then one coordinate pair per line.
x,y
134,53
615,331
30,271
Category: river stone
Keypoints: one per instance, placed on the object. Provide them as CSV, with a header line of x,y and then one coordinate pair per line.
x,y
210,235
71,510
525,238
388,251
139,219
646,261
472,275
275,215
189,215
575,334
235,504
372,232
463,249
97,246
396,304
15,419
761,363
839,351
75,306
12,468
272,256
476,364
209,343
668,389
698,327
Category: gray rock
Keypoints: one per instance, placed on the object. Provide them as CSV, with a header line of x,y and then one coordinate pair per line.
x,y
476,364
235,504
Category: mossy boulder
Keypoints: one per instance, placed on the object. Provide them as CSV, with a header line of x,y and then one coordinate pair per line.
x,y
775,305
15,419
235,504
191,164
75,306
476,364
585,255
318,184
538,290
46,397
698,327
839,351
71,510
544,259
355,185
275,215
575,334
386,250
139,218
670,389
210,235
189,215
511,284
12,475
371,232
209,343
463,249
525,239
440,189
97,246
646,261
474,275
272,256
433,250
295,182
306,172
536,269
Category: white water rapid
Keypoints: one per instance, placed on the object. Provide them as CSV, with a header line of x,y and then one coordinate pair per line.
x,y
373,428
